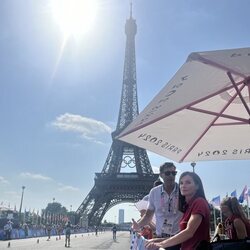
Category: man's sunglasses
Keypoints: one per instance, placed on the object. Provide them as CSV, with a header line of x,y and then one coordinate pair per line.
x,y
168,173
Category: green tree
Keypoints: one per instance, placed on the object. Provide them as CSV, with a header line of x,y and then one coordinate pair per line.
x,y
55,208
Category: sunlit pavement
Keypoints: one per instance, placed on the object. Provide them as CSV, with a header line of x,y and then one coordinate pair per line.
x,y
79,241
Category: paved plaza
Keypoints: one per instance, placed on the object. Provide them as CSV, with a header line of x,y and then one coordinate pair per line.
x,y
79,241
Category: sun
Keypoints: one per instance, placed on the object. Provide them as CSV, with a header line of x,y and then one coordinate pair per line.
x,y
75,17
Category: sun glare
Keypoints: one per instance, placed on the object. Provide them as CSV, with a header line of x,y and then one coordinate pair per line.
x,y
75,17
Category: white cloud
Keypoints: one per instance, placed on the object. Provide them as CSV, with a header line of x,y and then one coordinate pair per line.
x,y
87,127
36,176
67,188
3,180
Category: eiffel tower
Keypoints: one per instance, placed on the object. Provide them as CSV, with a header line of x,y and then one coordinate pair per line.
x,y
113,186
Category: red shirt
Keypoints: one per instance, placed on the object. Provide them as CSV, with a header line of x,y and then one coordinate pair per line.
x,y
147,233
196,206
230,231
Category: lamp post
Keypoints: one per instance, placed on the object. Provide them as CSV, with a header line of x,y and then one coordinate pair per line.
x,y
20,209
193,165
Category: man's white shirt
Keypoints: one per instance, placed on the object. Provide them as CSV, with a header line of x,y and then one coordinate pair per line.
x,y
165,207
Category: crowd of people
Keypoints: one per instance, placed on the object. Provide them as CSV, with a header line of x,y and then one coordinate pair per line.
x,y
182,215
11,231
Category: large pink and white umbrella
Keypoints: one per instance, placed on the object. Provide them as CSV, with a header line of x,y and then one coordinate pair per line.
x,y
202,113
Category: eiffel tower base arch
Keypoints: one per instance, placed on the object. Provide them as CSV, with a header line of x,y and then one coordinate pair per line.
x,y
110,190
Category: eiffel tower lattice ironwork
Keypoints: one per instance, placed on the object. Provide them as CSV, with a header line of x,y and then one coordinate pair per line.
x,y
112,186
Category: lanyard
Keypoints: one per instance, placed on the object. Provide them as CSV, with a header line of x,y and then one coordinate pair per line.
x,y
172,200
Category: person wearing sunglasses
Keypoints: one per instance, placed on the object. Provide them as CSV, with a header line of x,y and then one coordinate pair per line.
x,y
163,202
194,224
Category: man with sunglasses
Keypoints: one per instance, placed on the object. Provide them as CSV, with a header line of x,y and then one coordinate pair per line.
x,y
163,202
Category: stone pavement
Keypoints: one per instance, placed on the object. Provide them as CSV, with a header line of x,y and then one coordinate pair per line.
x,y
80,241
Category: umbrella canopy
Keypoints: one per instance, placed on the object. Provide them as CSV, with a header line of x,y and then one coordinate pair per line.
x,y
202,113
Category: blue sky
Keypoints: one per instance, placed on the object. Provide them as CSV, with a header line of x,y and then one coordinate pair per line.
x,y
58,106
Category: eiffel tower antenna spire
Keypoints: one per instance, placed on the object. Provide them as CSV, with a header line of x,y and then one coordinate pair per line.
x,y
131,9
114,185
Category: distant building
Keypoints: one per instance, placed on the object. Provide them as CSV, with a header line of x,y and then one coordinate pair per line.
x,y
121,216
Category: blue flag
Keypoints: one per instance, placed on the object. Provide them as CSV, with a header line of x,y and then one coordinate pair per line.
x,y
243,195
216,201
234,194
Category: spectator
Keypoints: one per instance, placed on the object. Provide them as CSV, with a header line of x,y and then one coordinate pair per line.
x,y
114,230
59,230
147,232
26,230
236,224
194,224
7,230
67,234
49,231
219,231
163,202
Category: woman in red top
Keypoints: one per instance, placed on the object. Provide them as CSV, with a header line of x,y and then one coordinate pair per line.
x,y
236,224
194,224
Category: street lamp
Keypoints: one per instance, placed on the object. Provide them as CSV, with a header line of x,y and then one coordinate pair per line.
x,y
193,165
20,209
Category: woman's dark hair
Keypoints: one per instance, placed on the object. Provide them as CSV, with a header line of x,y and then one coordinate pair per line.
x,y
200,191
